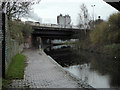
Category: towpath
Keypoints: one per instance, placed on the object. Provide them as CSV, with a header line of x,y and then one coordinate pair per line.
x,y
43,72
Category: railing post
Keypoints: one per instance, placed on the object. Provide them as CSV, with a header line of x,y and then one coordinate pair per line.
x,y
3,45
0,45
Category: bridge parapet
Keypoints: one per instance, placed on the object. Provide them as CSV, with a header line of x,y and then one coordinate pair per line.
x,y
54,28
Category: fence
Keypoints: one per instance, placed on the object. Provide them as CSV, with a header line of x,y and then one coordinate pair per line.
x,y
10,47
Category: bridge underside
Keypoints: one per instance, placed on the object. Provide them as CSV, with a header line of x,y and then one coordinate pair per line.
x,y
53,36
46,39
47,34
53,33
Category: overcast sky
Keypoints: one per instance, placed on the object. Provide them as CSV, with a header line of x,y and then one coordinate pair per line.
x,y
48,10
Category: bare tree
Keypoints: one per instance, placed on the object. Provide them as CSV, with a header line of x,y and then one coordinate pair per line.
x,y
17,8
83,18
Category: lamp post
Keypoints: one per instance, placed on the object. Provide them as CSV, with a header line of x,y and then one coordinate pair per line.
x,y
93,15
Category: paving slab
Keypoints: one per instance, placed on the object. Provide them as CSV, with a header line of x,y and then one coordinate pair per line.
x,y
43,72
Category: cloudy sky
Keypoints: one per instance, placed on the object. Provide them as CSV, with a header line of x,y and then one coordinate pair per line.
x,y
48,10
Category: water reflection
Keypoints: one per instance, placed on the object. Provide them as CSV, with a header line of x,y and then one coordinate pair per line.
x,y
98,70
92,77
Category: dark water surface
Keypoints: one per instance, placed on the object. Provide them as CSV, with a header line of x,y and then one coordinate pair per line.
x,y
97,70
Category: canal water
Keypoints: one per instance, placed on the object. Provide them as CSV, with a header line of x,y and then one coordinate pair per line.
x,y
97,70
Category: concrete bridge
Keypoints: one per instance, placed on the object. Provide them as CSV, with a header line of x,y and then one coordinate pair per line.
x,y
55,33
44,35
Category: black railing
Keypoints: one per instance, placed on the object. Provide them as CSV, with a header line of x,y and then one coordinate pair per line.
x,y
3,45
1,42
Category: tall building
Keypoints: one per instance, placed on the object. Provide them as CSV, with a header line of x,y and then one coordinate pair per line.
x,y
64,21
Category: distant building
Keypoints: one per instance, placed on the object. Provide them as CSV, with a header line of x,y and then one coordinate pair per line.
x,y
64,21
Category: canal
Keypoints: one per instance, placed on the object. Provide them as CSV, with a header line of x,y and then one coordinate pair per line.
x,y
97,70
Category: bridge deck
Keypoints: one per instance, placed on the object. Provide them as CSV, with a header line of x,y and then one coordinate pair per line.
x,y
57,33
54,28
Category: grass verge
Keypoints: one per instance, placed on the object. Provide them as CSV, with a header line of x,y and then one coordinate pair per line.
x,y
15,69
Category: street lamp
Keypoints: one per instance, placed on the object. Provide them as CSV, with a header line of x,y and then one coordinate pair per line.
x,y
93,14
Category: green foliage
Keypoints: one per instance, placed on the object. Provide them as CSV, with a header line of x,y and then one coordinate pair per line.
x,y
114,28
26,30
19,31
107,32
99,34
113,49
104,38
5,83
16,68
114,20
110,65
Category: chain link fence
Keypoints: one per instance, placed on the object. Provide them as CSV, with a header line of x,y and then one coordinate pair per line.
x,y
12,47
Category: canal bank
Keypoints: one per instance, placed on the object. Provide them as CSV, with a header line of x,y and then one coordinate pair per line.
x,y
97,70
43,72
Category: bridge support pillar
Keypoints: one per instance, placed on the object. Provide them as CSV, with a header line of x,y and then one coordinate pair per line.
x,y
34,42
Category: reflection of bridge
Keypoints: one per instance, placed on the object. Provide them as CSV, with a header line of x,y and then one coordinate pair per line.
x,y
63,55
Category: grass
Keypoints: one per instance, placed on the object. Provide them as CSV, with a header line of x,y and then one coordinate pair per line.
x,y
0,83
16,68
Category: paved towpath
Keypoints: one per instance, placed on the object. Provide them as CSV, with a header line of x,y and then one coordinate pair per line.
x,y
43,72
